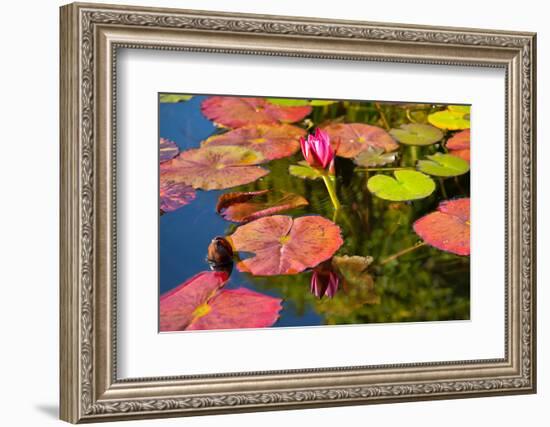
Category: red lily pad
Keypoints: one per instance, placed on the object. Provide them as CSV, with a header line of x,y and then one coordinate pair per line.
x,y
448,228
214,168
246,207
234,112
168,150
273,141
283,245
174,195
459,145
237,309
350,139
200,304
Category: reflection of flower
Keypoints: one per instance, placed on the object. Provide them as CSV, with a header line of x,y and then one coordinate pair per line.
x,y
317,150
324,281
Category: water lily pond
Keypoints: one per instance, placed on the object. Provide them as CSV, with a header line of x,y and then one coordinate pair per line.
x,y
278,212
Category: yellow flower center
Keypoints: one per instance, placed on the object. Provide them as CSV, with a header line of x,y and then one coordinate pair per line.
x,y
201,310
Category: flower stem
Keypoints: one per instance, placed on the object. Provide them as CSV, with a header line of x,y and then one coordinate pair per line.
x,y
402,252
443,190
382,115
331,188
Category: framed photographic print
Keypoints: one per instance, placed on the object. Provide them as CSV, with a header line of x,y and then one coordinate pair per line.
x,y
266,212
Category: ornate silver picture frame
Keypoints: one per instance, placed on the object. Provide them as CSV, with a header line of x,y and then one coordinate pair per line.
x,y
90,388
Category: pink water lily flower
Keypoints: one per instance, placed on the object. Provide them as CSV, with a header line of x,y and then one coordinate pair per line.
x,y
317,150
324,282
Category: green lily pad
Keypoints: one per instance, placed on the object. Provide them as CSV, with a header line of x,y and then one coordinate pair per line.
x,y
455,117
304,171
417,134
174,97
443,165
288,102
407,185
374,156
321,102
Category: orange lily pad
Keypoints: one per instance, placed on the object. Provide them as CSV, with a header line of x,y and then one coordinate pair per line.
x,y
459,145
448,228
234,112
168,150
350,139
283,245
214,168
200,303
248,206
273,141
174,195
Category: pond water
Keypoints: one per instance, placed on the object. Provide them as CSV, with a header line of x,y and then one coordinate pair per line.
x,y
425,284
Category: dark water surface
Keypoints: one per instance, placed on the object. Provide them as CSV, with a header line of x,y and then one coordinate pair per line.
x,y
426,284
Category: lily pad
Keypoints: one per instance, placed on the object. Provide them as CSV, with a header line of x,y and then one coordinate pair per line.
x,y
215,168
417,134
444,165
273,141
174,195
168,150
283,245
374,156
455,117
407,185
246,207
200,303
238,309
350,139
358,283
459,145
173,97
321,102
288,102
448,228
305,171
234,112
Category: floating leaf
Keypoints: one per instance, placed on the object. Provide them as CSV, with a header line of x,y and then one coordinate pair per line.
x,y
201,304
417,134
214,168
373,156
288,102
235,112
246,207
237,309
305,171
172,97
351,138
459,145
443,165
273,141
168,150
358,283
448,228
321,102
453,118
177,306
282,245
407,185
174,195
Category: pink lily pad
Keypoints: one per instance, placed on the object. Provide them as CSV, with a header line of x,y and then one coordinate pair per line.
x,y
200,303
246,207
234,112
448,228
237,309
459,145
168,150
214,168
273,141
174,195
283,245
350,139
